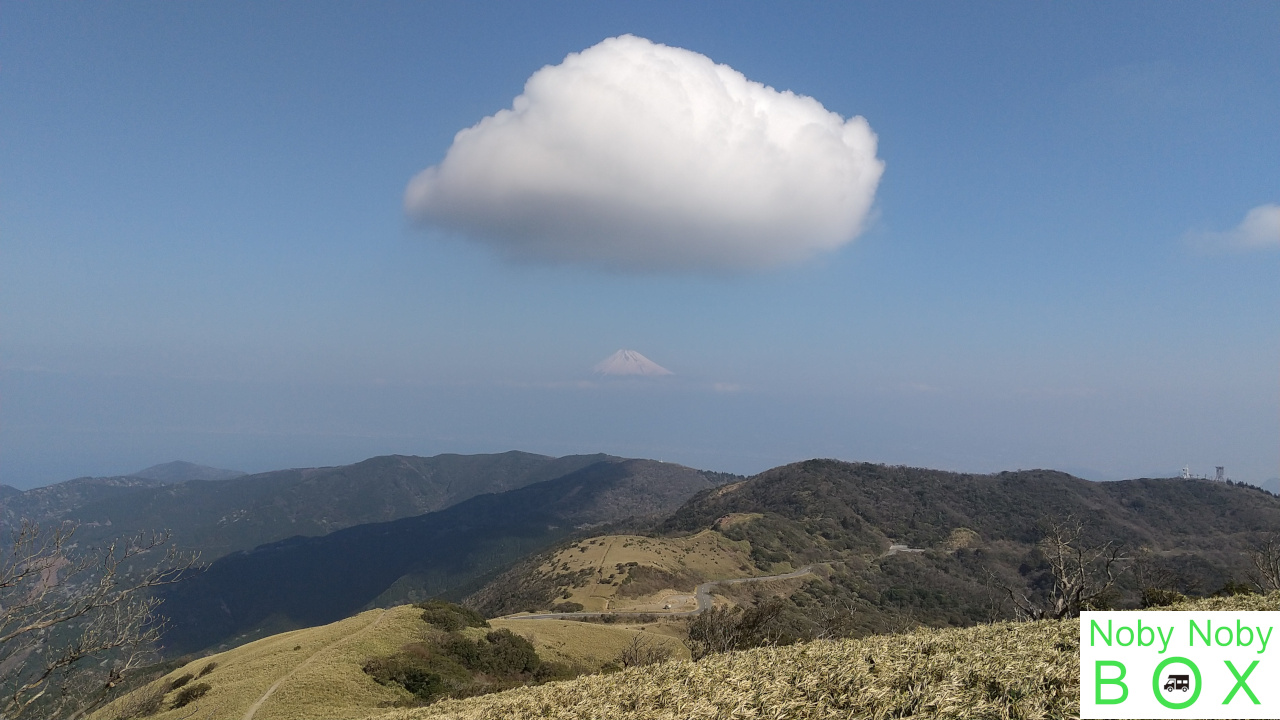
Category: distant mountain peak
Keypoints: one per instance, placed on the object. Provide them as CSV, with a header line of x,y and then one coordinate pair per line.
x,y
630,362
180,471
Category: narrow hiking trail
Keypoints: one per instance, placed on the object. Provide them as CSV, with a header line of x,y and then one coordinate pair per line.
x,y
257,705
604,559
703,594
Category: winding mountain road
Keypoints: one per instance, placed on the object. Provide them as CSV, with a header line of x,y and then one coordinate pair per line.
x,y
703,595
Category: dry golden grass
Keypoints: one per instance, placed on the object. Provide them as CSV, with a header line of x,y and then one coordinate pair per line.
x,y
324,672
707,553
591,645
323,677
1005,670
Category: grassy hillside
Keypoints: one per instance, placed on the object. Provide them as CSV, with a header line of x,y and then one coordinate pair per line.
x,y
318,672
1011,670
617,572
311,581
1003,670
591,646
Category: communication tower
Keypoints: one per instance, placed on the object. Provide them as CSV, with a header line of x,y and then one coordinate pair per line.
x,y
1220,475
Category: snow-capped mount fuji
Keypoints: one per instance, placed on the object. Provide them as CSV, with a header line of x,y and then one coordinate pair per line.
x,y
630,362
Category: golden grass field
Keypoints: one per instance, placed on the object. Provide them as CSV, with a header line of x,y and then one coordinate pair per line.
x,y
319,670
708,553
322,666
591,645
1003,670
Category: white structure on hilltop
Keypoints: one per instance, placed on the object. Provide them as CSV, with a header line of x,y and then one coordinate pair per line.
x,y
1219,475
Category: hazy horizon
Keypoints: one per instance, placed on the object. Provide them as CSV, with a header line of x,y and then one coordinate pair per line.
x,y
979,238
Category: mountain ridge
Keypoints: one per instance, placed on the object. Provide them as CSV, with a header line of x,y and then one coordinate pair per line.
x,y
923,546
292,582
217,517
183,471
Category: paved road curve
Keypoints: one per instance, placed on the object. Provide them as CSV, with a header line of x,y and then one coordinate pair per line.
x,y
703,596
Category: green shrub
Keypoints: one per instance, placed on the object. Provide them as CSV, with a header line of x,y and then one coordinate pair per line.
x,y
456,666
181,680
1156,597
450,617
501,652
550,671
189,694
413,672
207,669
1232,588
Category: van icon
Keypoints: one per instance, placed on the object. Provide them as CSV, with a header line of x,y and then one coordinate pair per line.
x,y
1177,682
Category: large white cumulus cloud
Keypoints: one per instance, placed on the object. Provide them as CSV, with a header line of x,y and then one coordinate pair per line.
x,y
639,156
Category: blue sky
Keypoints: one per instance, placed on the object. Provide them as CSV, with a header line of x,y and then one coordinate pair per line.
x,y
204,251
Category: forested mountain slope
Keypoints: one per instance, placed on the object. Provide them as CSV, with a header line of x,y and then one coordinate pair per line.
x,y
843,505
313,580
963,540
223,516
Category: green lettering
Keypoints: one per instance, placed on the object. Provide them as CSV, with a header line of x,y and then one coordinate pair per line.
x,y
1217,635
1122,629
1164,639
1099,681
1264,638
1240,682
1203,635
1150,634
1240,631
1094,627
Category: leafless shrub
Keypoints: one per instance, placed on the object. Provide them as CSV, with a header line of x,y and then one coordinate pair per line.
x,y
720,630
1265,557
74,623
1158,585
835,620
643,651
1082,575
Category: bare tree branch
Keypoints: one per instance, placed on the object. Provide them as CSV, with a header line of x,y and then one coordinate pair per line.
x,y
1081,575
1265,557
75,622
641,651
721,630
